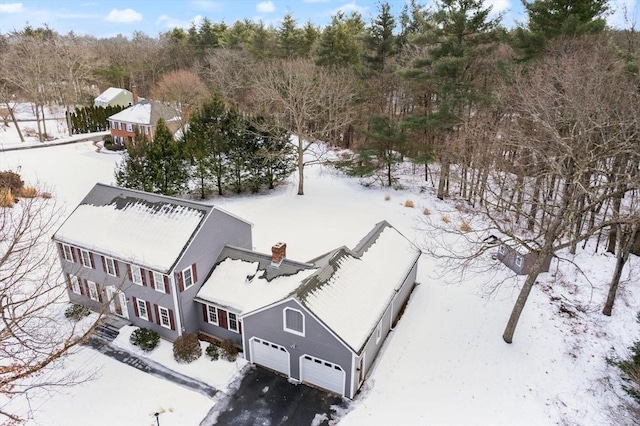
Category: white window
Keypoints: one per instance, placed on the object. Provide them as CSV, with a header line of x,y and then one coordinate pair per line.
x,y
158,280
93,291
67,253
378,333
502,249
165,321
113,124
136,274
129,127
119,125
75,284
111,266
519,261
187,276
233,322
87,261
142,309
293,321
212,312
146,130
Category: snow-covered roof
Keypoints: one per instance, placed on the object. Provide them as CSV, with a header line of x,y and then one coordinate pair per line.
x,y
146,112
352,291
148,229
244,280
108,95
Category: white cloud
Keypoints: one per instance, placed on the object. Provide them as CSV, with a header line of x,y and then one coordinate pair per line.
x,y
266,7
124,16
11,8
349,8
168,22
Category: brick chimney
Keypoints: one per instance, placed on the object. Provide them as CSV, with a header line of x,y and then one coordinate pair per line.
x,y
134,89
278,253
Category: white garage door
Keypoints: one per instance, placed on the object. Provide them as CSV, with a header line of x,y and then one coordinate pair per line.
x,y
270,355
322,374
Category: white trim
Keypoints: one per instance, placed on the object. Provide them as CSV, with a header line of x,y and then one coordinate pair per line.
x,y
519,261
93,290
379,331
237,320
160,310
89,259
67,256
284,321
155,282
322,364
142,304
136,272
273,345
209,307
502,248
113,265
75,284
184,277
174,294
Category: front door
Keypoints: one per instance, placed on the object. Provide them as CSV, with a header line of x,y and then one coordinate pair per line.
x,y
117,302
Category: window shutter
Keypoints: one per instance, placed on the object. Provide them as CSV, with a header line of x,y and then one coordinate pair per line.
x,y
181,281
129,274
157,311
93,263
205,314
152,280
104,263
99,291
84,286
61,249
135,306
195,273
222,318
149,310
166,284
69,282
239,326
115,263
171,320
143,274
73,254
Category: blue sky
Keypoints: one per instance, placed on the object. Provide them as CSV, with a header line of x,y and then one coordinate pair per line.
x,y
106,18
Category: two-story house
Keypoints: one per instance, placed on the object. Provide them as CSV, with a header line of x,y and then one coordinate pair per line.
x,y
144,256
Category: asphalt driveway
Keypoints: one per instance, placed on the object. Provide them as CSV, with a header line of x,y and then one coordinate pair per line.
x,y
267,399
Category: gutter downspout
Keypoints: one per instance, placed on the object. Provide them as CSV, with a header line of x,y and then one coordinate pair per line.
x,y
174,294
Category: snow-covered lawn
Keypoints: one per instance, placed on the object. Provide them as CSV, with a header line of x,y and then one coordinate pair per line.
x,y
445,363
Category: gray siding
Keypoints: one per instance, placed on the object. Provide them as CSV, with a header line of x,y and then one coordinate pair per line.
x,y
317,341
218,230
511,254
217,331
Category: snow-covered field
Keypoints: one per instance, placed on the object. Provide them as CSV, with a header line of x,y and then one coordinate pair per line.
x,y
445,363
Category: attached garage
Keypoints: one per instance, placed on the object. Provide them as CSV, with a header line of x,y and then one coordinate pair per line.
x,y
270,355
322,373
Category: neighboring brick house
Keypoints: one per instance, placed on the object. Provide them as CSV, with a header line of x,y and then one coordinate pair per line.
x,y
143,115
144,255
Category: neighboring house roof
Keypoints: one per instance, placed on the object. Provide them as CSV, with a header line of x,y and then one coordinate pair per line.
x,y
150,229
244,280
352,291
146,112
109,95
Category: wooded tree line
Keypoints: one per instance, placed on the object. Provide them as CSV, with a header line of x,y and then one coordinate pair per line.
x,y
536,126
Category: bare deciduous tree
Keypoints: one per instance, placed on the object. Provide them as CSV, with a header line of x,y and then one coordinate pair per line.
x,y
182,89
314,102
34,335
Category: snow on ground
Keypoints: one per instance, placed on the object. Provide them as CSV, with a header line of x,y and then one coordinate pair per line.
x,y
445,363
55,126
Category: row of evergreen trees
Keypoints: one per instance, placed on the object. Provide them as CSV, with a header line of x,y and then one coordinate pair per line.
x,y
219,149
91,118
